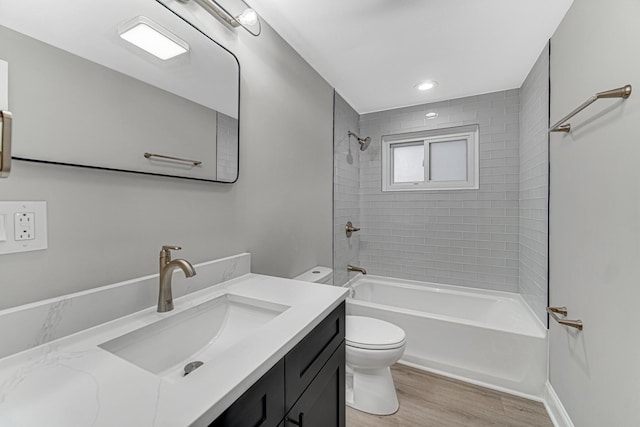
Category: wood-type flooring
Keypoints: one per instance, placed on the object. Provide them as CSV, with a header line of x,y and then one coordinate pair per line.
x,y
429,400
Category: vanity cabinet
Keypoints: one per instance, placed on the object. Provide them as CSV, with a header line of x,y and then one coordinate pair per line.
x,y
261,405
304,389
322,403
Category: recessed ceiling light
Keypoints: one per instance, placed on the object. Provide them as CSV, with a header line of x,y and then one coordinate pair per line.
x,y
151,37
426,85
431,115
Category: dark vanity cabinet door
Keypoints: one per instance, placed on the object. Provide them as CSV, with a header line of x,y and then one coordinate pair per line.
x,y
309,380
260,406
307,358
322,404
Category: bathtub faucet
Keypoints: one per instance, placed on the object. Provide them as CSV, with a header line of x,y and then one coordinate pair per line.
x,y
353,268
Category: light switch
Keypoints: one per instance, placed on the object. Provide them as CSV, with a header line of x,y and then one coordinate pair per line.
x,y
3,229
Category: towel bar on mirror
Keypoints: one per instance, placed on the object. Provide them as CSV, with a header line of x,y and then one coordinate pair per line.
x,y
563,311
177,159
5,144
623,92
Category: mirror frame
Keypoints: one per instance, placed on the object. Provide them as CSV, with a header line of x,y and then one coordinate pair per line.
x,y
161,174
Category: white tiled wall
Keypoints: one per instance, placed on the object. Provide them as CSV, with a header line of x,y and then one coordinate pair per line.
x,y
460,237
534,169
346,167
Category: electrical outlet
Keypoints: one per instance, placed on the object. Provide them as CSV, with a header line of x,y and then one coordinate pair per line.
x,y
24,226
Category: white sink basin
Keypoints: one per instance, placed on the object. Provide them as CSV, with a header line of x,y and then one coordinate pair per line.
x,y
196,334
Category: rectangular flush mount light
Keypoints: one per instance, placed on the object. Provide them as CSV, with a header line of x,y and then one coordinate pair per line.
x,y
153,38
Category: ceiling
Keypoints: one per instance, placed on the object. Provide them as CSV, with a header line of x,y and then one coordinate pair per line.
x,y
375,51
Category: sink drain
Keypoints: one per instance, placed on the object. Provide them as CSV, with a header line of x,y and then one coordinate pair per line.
x,y
192,366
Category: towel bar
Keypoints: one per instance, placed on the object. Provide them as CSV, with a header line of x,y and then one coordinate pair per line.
x,y
178,159
621,92
563,311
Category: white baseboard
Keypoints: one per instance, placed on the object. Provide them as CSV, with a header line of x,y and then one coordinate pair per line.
x,y
557,413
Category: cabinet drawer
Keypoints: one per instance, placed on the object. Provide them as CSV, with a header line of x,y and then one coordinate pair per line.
x,y
306,359
260,406
322,404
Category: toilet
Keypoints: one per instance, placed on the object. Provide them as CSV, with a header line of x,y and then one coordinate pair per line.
x,y
372,346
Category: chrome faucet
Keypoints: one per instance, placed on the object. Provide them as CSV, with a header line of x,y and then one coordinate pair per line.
x,y
165,296
359,269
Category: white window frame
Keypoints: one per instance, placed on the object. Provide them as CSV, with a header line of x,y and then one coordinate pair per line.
x,y
470,134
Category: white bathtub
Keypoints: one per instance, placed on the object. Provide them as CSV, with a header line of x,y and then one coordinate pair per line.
x,y
484,337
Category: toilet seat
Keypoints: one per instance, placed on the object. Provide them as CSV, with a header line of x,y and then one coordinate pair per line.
x,y
373,334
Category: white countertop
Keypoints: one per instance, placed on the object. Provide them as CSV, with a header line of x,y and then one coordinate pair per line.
x,y
71,382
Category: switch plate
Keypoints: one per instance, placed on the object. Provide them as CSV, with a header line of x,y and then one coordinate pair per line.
x,y
25,226
3,228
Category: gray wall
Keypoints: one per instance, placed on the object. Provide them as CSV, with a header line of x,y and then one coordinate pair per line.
x,y
595,215
107,226
534,177
467,238
346,187
227,147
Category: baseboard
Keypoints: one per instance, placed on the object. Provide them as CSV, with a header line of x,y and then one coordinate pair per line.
x,y
555,409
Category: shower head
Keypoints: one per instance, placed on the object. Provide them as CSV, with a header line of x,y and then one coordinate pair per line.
x,y
364,142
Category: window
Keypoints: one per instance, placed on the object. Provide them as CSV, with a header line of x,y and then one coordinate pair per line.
x,y
439,159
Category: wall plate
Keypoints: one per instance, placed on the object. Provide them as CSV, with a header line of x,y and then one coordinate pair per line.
x,y
25,226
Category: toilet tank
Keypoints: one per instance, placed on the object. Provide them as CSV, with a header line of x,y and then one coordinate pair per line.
x,y
317,274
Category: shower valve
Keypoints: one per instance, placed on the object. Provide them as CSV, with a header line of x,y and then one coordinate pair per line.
x,y
350,229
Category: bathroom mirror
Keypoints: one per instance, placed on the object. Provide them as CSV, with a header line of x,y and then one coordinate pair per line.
x,y
82,95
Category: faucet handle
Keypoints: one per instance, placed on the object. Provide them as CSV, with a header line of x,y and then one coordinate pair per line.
x,y
165,253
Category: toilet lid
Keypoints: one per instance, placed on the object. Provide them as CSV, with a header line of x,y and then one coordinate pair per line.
x,y
370,333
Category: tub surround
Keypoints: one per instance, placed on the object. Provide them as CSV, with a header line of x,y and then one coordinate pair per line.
x,y
72,381
533,202
458,237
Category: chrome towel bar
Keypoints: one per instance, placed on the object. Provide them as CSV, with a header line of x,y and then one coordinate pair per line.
x,y
178,159
5,144
563,311
621,92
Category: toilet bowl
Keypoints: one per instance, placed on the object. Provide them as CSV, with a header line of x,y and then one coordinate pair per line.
x,y
372,346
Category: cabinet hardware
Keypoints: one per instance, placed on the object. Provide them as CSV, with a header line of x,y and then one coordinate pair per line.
x,y
299,422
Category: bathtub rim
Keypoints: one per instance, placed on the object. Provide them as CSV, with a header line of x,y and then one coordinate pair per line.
x,y
541,330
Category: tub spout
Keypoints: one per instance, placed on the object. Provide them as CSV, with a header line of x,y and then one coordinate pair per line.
x,y
354,268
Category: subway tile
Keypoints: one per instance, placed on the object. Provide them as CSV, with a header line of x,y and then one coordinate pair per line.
x,y
429,230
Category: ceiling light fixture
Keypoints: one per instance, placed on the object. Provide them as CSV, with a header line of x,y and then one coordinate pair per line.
x,y
153,38
431,115
247,18
426,85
